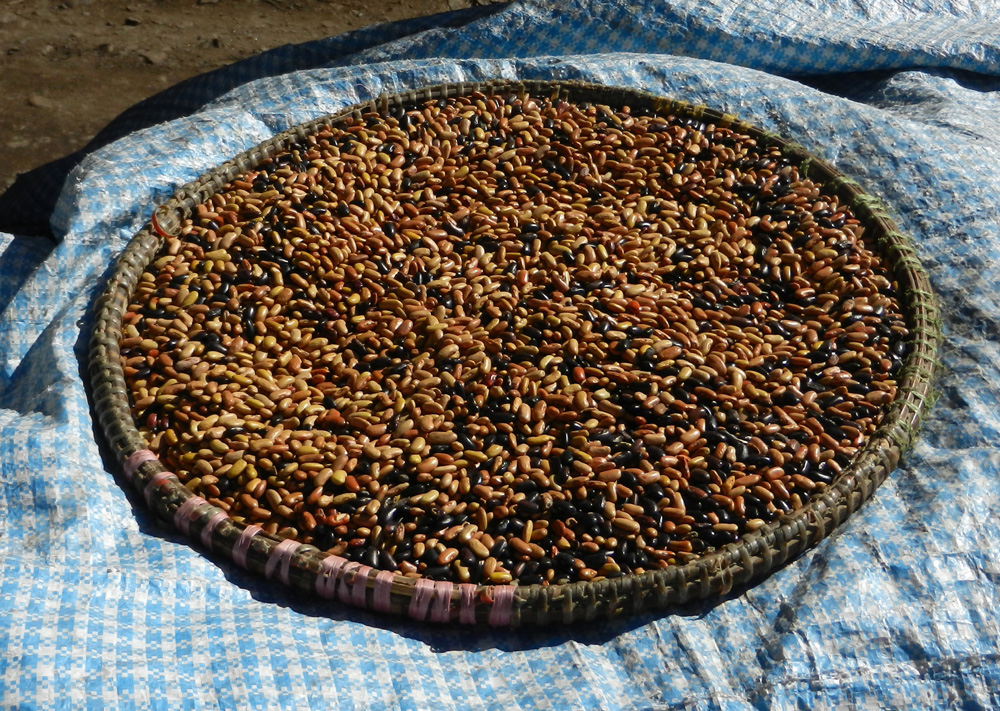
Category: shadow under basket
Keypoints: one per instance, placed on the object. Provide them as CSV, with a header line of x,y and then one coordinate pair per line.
x,y
315,572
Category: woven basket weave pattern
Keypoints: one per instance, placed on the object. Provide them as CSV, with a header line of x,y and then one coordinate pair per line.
x,y
308,569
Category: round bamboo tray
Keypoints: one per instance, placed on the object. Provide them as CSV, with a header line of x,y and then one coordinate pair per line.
x,y
714,574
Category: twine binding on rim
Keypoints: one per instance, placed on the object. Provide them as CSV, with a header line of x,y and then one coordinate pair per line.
x,y
382,599
326,581
423,593
136,460
503,601
243,545
209,530
153,485
182,517
281,558
348,580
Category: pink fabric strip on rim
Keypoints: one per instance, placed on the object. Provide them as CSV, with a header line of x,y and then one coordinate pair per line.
x,y
213,523
503,601
184,513
281,555
423,592
346,579
242,546
382,599
136,460
467,604
359,590
441,610
326,581
154,484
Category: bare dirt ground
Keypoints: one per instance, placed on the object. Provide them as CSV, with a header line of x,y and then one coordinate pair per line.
x,y
68,67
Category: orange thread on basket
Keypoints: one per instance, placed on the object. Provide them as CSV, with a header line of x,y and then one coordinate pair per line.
x,y
155,224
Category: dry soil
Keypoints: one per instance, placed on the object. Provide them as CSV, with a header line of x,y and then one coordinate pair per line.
x,y
68,67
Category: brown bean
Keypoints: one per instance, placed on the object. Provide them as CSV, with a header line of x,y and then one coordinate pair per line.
x,y
400,335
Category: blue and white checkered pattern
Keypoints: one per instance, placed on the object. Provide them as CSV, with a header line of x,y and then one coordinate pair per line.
x,y
103,607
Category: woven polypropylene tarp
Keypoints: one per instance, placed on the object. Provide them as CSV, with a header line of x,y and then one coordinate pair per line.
x,y
103,607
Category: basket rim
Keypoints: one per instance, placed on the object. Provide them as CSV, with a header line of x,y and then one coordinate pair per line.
x,y
713,574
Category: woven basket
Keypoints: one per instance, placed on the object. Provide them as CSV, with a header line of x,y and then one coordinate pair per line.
x,y
312,571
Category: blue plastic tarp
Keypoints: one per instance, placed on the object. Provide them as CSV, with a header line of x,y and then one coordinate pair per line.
x,y
103,607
